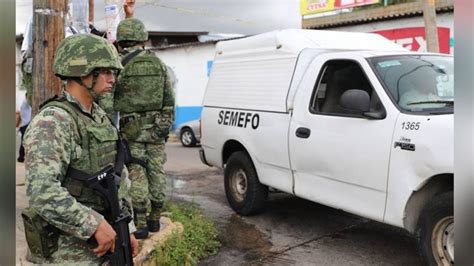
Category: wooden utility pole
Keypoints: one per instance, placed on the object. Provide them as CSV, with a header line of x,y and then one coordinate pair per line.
x,y
91,11
431,30
48,32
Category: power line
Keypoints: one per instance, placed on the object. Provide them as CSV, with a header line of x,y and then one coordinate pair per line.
x,y
199,12
194,12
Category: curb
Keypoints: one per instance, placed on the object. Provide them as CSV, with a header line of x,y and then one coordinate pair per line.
x,y
147,246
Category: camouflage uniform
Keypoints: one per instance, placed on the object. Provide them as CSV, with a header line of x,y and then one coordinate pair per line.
x,y
145,121
148,145
106,102
59,138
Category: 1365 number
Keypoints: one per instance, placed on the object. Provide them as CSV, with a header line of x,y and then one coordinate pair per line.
x,y
410,125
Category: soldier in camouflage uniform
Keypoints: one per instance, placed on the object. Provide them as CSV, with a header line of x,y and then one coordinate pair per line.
x,y
73,132
145,99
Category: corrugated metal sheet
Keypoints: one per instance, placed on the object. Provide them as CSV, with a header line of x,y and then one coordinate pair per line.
x,y
375,14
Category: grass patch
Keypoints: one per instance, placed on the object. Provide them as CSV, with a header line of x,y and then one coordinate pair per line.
x,y
198,241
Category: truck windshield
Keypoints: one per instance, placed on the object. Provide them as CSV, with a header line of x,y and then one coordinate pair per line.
x,y
418,83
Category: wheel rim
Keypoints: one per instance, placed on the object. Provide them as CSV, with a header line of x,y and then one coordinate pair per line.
x,y
186,138
442,241
238,183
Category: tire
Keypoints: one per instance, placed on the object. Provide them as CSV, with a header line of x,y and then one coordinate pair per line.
x,y
435,231
245,194
187,137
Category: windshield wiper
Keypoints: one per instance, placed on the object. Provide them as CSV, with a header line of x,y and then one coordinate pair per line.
x,y
448,103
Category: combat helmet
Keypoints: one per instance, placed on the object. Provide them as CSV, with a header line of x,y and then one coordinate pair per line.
x,y
79,54
131,29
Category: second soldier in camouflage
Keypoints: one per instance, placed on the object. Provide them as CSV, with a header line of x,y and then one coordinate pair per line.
x,y
145,99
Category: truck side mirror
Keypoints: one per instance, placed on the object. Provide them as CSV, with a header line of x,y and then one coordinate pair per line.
x,y
358,102
355,100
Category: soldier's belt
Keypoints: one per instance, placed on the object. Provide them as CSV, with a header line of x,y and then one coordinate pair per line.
x,y
143,119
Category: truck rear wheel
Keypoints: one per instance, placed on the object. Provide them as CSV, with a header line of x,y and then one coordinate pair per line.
x,y
436,231
245,194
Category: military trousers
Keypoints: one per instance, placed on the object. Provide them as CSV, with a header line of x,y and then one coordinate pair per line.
x,y
148,183
71,251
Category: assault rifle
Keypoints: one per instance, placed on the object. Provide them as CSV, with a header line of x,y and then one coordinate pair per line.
x,y
106,182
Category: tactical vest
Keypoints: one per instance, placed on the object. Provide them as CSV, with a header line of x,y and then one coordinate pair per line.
x,y
141,84
98,142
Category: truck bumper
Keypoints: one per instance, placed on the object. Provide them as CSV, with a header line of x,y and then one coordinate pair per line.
x,y
203,157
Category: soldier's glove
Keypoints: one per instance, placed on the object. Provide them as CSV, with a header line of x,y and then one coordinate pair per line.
x,y
163,122
163,128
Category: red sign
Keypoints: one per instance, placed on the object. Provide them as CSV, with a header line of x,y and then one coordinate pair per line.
x,y
414,38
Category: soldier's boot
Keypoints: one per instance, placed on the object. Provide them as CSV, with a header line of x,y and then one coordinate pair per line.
x,y
153,220
140,223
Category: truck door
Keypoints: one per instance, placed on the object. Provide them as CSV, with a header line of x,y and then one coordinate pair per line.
x,y
340,155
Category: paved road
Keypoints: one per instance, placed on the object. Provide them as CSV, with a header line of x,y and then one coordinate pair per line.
x,y
291,231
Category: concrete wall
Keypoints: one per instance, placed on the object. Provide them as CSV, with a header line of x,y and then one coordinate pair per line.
x,y
191,66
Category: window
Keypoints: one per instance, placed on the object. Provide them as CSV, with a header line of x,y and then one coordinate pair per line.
x,y
418,83
337,77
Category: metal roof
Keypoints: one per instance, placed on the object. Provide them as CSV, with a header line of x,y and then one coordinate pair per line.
x,y
177,33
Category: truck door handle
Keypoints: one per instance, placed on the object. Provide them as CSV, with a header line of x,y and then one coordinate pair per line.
x,y
303,132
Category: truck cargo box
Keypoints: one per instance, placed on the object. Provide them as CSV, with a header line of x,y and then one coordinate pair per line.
x,y
261,67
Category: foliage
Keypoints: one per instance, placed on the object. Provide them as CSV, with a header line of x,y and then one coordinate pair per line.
x,y
199,238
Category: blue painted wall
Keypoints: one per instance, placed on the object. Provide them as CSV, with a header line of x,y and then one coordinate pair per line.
x,y
187,113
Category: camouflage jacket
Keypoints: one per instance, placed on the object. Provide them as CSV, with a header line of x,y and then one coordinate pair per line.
x,y
106,102
52,143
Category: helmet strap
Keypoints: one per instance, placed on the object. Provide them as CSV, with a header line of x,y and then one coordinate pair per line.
x,y
90,88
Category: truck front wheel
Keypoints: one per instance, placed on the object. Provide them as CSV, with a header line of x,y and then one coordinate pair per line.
x,y
245,194
436,231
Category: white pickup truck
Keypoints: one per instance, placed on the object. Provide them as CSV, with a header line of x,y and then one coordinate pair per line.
x,y
348,120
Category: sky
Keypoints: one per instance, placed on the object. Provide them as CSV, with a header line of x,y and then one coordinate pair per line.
x,y
215,16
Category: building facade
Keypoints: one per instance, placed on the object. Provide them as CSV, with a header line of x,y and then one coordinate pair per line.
x,y
402,23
